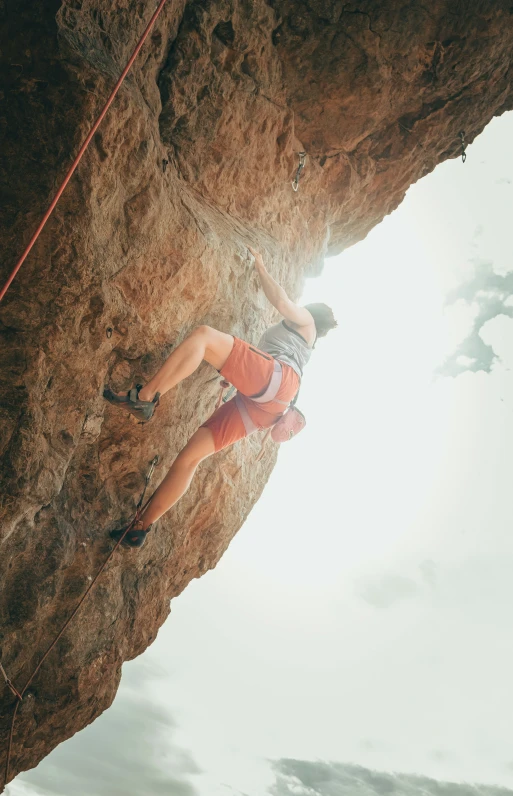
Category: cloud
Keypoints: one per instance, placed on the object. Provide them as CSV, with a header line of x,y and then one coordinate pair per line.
x,y
369,745
440,755
385,591
428,570
128,750
491,293
309,778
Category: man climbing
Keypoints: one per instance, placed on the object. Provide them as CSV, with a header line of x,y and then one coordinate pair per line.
x,y
267,379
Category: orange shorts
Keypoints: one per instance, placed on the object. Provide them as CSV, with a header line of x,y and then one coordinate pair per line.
x,y
250,371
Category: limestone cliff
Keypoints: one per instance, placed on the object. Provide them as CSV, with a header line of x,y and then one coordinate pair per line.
x,y
194,159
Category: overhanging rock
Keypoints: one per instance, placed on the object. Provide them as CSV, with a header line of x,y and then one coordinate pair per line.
x,y
195,158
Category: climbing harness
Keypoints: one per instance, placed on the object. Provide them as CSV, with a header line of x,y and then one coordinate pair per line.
x,y
463,146
20,694
291,422
82,149
295,181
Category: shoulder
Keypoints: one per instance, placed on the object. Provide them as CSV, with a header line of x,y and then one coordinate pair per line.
x,y
306,332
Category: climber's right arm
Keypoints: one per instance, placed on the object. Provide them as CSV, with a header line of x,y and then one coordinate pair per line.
x,y
278,297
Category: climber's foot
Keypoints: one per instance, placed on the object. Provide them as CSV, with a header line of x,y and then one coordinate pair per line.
x,y
142,410
135,537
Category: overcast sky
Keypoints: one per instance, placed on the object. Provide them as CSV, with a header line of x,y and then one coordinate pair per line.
x,y
360,622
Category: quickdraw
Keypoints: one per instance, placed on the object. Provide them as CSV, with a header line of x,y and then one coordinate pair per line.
x,y
463,146
295,181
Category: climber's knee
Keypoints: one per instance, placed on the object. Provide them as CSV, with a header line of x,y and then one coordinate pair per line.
x,y
203,332
214,346
217,346
200,445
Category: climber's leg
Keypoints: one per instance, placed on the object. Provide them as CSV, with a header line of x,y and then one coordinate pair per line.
x,y
223,428
179,477
204,343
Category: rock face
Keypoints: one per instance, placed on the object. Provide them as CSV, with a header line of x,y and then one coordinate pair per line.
x,y
195,158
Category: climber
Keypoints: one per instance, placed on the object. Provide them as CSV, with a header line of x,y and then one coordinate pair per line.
x,y
272,371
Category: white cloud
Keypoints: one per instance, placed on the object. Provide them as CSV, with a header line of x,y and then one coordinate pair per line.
x,y
387,590
129,750
317,778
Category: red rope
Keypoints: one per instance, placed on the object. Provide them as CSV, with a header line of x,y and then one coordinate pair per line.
x,y
82,150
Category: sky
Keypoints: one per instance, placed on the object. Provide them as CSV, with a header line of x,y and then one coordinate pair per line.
x,y
356,636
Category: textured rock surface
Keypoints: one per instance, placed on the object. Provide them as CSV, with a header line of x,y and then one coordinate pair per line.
x,y
228,92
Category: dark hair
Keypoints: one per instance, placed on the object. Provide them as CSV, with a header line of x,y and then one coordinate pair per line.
x,y
323,318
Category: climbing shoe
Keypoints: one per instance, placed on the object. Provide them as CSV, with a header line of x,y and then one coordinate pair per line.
x,y
142,410
135,537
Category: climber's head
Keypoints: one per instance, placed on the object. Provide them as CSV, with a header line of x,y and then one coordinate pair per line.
x,y
323,318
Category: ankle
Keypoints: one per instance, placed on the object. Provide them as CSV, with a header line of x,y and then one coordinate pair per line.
x,y
146,394
143,524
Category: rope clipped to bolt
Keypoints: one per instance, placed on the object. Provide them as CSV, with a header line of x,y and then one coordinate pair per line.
x,y
10,684
20,694
82,149
463,146
295,181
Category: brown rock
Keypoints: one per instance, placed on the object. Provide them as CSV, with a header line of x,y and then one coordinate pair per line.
x,y
228,92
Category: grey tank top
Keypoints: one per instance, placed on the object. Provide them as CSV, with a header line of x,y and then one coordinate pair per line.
x,y
287,345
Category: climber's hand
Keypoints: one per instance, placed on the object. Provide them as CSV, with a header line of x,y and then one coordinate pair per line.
x,y
259,263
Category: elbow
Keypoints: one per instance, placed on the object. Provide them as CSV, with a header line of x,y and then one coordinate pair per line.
x,y
282,303
282,307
